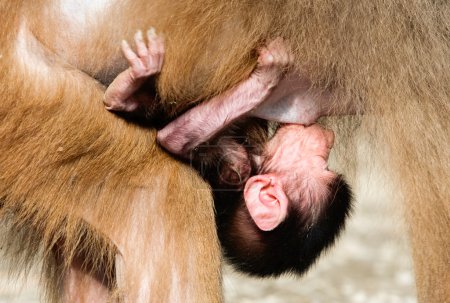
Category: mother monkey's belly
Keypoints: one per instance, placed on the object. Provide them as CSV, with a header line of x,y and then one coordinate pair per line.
x,y
87,34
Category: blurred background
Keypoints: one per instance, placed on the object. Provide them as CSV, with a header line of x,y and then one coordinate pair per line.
x,y
371,263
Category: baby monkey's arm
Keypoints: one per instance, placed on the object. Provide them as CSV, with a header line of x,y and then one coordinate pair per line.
x,y
205,120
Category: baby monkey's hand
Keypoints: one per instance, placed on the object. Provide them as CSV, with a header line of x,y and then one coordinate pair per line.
x,y
145,62
149,58
273,60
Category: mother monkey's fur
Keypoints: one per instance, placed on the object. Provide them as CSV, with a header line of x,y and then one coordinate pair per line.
x,y
61,154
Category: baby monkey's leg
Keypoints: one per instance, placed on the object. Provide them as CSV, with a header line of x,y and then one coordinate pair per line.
x,y
146,62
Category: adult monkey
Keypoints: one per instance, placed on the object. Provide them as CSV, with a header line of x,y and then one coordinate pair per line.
x,y
388,60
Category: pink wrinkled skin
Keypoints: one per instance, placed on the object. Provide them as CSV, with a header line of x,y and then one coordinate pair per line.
x,y
294,171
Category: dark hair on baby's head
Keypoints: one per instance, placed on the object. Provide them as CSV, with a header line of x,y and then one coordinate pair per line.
x,y
291,247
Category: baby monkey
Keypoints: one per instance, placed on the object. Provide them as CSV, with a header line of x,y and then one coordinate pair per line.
x,y
278,205
290,207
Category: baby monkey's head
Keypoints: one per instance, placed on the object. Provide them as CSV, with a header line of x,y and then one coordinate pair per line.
x,y
291,210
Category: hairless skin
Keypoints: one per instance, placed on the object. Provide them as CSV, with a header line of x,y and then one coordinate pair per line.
x,y
293,170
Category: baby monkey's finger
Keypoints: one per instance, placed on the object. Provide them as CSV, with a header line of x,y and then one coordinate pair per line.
x,y
265,57
156,47
142,50
278,50
133,60
129,54
153,41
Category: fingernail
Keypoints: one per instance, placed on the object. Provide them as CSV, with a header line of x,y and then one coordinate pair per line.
x,y
151,32
139,35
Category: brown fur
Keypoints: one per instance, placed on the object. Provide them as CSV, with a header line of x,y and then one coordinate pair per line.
x,y
386,59
52,174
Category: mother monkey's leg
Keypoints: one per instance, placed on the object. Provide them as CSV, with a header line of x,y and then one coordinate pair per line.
x,y
57,171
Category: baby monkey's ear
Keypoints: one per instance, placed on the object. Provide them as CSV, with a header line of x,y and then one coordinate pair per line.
x,y
266,201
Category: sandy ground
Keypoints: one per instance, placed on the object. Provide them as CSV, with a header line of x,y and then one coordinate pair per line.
x,y
371,263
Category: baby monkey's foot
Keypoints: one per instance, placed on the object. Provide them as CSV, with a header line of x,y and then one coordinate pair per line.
x,y
149,58
273,59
